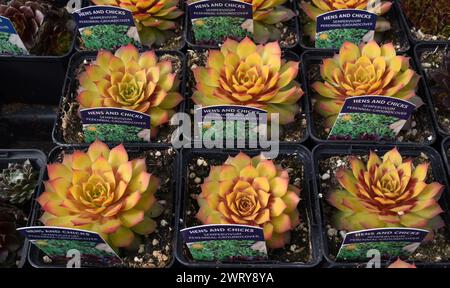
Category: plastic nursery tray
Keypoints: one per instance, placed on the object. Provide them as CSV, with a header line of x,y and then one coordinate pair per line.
x,y
288,55
313,216
189,36
407,27
418,50
69,85
397,29
33,79
315,57
35,255
86,3
39,161
323,151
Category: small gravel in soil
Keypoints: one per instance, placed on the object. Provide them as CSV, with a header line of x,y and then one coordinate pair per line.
x,y
390,36
420,36
435,251
300,248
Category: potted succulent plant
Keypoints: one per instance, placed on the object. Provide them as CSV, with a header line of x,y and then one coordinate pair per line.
x,y
283,206
134,186
159,96
445,145
434,62
159,23
272,21
388,26
20,173
366,187
47,32
278,92
426,20
369,69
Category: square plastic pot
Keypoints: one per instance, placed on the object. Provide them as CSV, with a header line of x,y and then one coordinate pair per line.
x,y
33,79
35,255
71,80
324,151
315,58
302,155
303,101
419,49
189,35
397,29
407,26
86,3
38,161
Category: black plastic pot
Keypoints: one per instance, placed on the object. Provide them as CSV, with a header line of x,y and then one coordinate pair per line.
x,y
26,125
189,35
33,79
307,196
70,86
418,50
397,29
303,101
408,25
35,255
324,151
87,3
39,161
445,146
315,58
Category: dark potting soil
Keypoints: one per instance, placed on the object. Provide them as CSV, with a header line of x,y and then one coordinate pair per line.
x,y
390,36
430,61
292,132
420,129
72,130
155,250
299,249
289,37
437,250
420,36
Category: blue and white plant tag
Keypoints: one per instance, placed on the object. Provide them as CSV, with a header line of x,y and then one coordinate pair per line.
x,y
225,242
10,42
386,242
106,27
61,244
115,125
371,118
335,27
213,21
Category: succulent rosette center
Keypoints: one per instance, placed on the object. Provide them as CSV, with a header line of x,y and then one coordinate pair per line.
x,y
388,192
251,191
359,71
102,191
250,75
